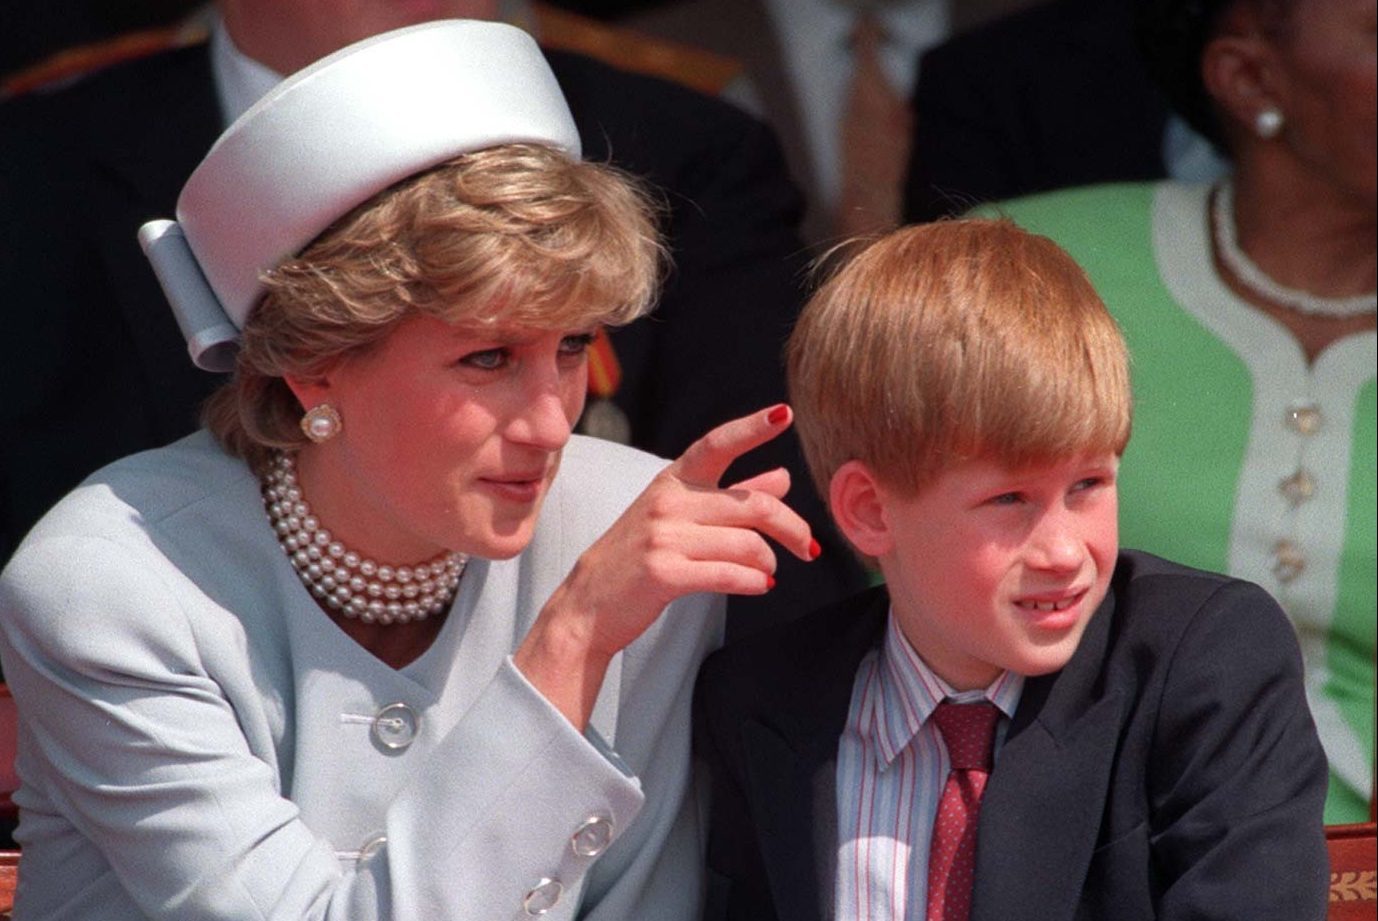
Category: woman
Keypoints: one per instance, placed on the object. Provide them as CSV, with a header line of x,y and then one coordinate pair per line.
x,y
385,641
1249,311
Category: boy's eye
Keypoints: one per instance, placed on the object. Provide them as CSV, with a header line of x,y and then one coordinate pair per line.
x,y
486,360
1092,482
576,344
1006,498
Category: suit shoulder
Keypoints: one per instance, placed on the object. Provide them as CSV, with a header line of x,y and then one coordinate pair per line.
x,y
590,83
140,115
138,493
823,640
140,81
1159,602
647,124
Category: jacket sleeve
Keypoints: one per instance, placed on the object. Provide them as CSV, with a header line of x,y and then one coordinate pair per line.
x,y
1237,780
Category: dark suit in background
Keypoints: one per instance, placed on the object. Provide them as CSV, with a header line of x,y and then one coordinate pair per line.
x,y
1172,763
1047,98
93,366
743,29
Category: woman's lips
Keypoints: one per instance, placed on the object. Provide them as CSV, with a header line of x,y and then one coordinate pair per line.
x,y
519,488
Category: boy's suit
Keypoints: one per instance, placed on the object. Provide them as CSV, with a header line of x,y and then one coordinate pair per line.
x,y
1181,710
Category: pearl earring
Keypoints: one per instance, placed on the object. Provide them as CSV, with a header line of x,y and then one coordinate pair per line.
x,y
321,423
1268,122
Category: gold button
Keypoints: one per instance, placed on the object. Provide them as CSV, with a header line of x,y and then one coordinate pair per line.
x,y
1304,418
1288,561
1299,487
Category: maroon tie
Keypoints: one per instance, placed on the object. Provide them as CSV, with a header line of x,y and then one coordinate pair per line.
x,y
969,734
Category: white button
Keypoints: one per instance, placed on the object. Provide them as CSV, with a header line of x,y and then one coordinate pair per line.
x,y
371,846
544,897
395,726
593,837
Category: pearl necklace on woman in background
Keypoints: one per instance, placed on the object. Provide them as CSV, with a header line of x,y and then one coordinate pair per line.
x,y
343,579
1252,277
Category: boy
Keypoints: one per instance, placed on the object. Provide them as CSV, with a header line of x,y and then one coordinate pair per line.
x,y
963,400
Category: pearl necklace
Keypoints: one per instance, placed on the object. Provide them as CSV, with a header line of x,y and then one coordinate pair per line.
x,y
1243,268
343,579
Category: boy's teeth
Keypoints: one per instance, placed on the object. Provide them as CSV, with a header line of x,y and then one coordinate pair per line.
x,y
1048,605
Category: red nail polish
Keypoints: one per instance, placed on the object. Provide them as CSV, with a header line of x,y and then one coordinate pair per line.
x,y
815,551
778,415
770,582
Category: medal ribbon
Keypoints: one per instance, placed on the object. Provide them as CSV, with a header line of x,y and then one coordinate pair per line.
x,y
605,371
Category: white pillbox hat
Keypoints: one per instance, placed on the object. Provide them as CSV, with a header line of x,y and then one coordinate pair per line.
x,y
327,139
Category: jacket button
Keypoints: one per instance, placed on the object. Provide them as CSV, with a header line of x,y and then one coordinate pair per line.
x,y
543,897
592,837
395,726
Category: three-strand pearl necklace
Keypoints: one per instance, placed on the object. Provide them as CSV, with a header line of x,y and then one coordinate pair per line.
x,y
343,579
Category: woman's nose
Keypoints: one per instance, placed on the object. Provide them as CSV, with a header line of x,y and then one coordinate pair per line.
x,y
543,420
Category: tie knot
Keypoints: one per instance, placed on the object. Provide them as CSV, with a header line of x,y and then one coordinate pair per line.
x,y
969,733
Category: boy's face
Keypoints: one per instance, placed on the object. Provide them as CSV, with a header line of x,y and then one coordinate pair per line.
x,y
991,569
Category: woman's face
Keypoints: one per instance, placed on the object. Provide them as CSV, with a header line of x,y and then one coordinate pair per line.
x,y
450,441
1329,91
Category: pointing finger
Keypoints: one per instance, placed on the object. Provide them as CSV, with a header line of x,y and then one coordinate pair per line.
x,y
704,462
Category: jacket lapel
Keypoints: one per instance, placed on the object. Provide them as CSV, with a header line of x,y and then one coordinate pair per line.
x,y
1041,814
791,759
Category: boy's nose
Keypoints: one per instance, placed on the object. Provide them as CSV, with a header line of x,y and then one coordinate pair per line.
x,y
1056,545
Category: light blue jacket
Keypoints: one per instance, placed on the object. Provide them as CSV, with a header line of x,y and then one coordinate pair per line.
x,y
197,738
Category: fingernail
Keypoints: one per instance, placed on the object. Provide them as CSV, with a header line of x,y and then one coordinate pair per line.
x,y
815,551
778,415
770,582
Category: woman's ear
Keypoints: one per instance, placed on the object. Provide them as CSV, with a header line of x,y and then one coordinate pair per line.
x,y
310,389
1240,72
858,506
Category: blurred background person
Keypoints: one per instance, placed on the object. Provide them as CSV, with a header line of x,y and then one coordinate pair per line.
x,y
834,78
101,371
1049,97
1249,307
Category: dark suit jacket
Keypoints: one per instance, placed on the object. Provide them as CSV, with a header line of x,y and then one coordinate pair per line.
x,y
1171,764
92,366
1050,97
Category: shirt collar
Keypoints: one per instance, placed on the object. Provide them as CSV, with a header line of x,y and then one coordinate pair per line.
x,y
910,691
240,81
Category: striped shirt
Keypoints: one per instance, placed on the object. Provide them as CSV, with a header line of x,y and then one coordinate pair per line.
x,y
891,768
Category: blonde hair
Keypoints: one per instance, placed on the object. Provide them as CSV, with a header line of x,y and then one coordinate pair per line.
x,y
951,341
518,234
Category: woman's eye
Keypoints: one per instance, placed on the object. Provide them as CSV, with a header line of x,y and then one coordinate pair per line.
x,y
487,360
577,344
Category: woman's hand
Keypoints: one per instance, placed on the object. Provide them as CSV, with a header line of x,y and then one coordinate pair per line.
x,y
683,534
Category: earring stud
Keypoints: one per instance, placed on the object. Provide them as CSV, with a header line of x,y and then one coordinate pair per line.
x,y
321,422
1268,123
